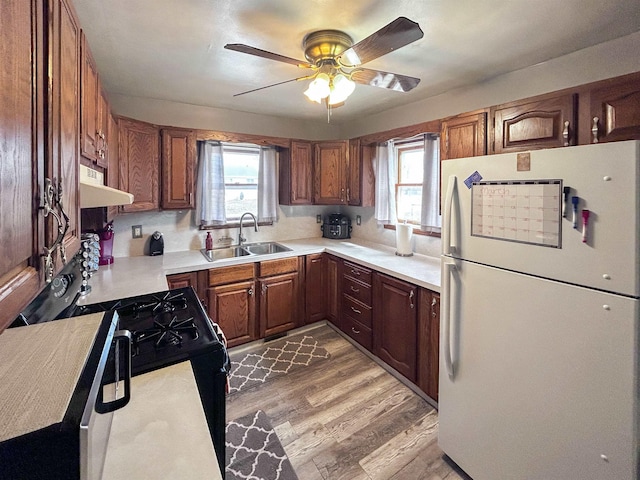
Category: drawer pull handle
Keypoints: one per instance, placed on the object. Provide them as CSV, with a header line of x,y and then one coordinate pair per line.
x,y
355,290
355,272
355,310
355,331
411,304
594,130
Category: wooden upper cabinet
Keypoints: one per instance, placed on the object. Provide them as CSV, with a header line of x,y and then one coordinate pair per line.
x,y
113,160
296,174
464,135
64,122
139,157
330,173
361,180
21,143
89,91
544,122
615,110
104,113
178,167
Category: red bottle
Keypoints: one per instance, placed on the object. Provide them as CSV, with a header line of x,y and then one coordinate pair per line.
x,y
209,242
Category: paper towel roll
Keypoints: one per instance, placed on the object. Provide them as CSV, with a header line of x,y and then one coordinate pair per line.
x,y
404,232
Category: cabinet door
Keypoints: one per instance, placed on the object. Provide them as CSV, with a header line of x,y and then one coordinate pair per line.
x,y
178,166
64,121
21,143
233,307
333,288
615,111
530,124
181,280
395,323
330,164
361,181
113,161
278,304
104,113
428,342
296,175
89,92
139,163
315,288
464,136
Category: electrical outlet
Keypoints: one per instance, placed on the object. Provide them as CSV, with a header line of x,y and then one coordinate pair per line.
x,y
318,218
358,219
136,231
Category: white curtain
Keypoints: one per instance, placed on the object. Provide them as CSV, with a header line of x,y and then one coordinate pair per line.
x,y
210,200
268,185
430,220
384,167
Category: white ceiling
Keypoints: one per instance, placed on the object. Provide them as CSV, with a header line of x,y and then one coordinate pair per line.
x,y
173,49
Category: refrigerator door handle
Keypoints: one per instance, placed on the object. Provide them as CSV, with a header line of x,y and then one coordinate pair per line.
x,y
448,266
447,248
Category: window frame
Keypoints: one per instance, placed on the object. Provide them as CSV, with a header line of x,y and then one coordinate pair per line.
x,y
400,147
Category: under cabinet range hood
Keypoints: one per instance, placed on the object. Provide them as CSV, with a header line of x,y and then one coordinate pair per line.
x,y
94,193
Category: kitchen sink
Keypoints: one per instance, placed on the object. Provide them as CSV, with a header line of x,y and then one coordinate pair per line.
x,y
221,253
250,249
265,248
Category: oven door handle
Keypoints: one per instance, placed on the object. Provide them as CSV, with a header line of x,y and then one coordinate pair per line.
x,y
123,337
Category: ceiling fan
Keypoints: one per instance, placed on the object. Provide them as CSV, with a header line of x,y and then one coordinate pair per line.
x,y
336,61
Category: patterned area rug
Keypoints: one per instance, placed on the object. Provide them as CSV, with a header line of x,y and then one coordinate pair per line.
x,y
249,369
254,452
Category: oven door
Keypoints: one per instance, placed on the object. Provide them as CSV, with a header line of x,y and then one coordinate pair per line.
x,y
105,398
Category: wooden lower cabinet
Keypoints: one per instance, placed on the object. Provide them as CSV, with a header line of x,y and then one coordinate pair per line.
x,y
278,304
315,288
428,342
333,286
233,307
395,323
181,280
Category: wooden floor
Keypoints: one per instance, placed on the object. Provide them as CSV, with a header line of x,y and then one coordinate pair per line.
x,y
347,418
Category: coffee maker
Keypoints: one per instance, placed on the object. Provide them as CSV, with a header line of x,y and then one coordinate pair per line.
x,y
106,244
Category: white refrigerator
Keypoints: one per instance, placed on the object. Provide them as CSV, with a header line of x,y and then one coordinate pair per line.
x,y
540,319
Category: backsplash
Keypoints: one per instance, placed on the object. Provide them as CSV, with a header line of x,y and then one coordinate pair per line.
x,y
180,233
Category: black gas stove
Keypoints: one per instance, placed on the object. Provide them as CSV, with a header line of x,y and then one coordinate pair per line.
x,y
167,327
170,327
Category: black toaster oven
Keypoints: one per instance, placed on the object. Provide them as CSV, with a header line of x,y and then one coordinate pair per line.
x,y
336,225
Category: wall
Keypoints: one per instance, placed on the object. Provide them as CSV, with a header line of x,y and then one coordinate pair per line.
x,y
175,114
610,59
180,233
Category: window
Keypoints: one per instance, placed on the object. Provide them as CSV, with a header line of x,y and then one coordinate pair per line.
x,y
410,162
241,165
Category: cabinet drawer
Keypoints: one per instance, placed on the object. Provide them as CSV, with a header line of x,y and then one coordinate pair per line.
x,y
358,332
234,273
358,290
356,271
356,310
277,267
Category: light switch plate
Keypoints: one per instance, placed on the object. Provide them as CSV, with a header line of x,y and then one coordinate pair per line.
x,y
136,231
318,218
358,219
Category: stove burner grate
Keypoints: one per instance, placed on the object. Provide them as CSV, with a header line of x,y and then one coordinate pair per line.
x,y
165,334
155,305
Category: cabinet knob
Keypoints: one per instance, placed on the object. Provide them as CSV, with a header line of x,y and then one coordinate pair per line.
x,y
594,130
565,133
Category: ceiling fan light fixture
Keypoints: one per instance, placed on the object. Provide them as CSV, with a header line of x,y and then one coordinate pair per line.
x,y
341,88
319,88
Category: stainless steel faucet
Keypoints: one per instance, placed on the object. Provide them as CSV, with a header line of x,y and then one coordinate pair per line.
x,y
241,239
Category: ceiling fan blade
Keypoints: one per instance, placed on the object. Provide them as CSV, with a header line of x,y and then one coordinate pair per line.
x,y
393,36
274,85
391,81
239,47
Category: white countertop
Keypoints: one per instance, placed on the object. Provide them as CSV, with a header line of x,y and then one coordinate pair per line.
x,y
162,433
129,276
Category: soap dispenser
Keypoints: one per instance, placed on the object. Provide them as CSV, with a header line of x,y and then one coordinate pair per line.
x,y
209,241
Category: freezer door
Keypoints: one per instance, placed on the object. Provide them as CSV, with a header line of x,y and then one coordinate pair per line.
x,y
605,180
544,378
